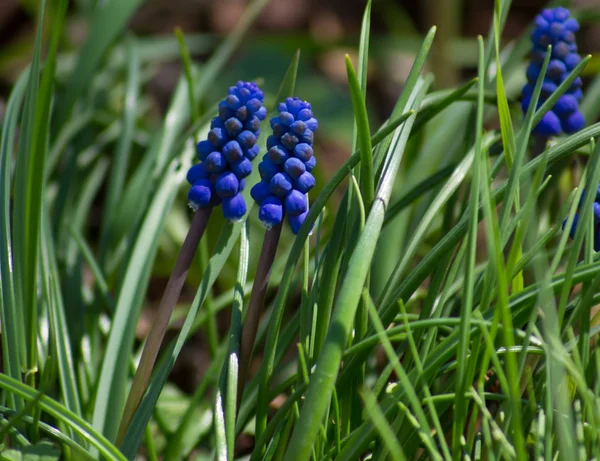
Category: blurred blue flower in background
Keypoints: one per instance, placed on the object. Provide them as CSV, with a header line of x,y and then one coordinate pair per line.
x,y
555,27
286,167
227,152
596,211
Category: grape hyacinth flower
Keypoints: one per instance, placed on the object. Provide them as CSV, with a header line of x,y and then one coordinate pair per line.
x,y
286,167
218,179
228,151
555,27
596,211
286,179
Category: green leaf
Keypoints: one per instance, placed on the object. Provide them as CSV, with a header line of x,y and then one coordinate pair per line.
x,y
42,451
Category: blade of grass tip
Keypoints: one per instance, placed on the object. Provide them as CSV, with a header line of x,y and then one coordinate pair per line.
x,y
256,303
320,388
113,373
163,315
460,414
367,179
383,428
13,340
108,451
121,158
109,19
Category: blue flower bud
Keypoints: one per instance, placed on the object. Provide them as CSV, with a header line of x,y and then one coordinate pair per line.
x,y
260,191
297,221
247,139
227,184
216,122
234,208
294,167
270,212
252,124
233,126
572,61
197,172
305,182
566,104
203,149
278,155
242,169
241,113
295,203
215,162
272,141
289,141
267,169
251,153
217,137
549,125
573,123
200,194
280,185
233,152
233,102
310,164
303,151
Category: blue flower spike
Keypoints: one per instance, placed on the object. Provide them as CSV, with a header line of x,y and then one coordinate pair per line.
x,y
555,27
226,155
286,167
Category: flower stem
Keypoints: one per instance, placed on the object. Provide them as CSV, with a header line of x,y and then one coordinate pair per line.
x,y
255,305
163,315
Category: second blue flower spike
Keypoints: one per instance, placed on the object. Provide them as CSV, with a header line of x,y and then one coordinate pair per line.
x,y
285,170
555,27
227,152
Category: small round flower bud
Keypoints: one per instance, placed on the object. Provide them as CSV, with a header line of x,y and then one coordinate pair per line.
x,y
197,172
566,104
294,167
573,122
297,221
260,191
295,203
251,153
270,212
549,125
200,194
215,162
278,154
247,139
303,151
233,152
234,208
289,141
305,182
227,184
217,137
280,185
203,148
310,163
233,126
267,169
242,169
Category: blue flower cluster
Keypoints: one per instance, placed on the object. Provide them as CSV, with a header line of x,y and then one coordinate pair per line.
x,y
555,27
286,168
226,155
596,211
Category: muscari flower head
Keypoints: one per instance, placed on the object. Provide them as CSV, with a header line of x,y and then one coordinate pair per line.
x,y
286,168
555,27
596,212
226,154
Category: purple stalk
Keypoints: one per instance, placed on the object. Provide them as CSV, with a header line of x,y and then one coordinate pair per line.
x,y
163,315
